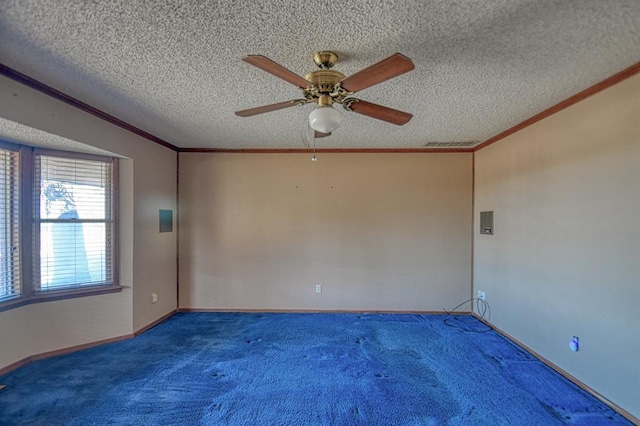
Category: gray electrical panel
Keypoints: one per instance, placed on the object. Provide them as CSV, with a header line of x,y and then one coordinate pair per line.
x,y
486,223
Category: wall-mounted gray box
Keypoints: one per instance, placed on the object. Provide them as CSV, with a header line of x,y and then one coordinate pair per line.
x,y
486,223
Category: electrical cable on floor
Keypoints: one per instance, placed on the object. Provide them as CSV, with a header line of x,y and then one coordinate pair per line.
x,y
482,306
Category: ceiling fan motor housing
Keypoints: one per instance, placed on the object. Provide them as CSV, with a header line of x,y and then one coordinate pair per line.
x,y
324,81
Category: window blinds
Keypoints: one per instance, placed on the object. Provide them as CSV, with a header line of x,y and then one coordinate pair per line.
x,y
73,224
9,225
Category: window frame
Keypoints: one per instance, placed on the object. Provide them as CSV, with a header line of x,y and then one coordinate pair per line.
x,y
29,290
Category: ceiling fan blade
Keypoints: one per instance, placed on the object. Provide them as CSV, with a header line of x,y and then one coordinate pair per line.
x,y
386,69
380,112
271,67
272,107
317,134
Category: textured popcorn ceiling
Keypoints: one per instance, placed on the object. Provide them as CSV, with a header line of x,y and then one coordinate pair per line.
x,y
173,67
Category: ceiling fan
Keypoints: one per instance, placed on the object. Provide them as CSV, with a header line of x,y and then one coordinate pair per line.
x,y
326,87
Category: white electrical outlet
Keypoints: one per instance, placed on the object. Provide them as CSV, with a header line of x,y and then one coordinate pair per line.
x,y
481,295
318,288
154,297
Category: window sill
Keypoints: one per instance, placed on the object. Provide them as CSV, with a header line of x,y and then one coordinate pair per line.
x,y
59,295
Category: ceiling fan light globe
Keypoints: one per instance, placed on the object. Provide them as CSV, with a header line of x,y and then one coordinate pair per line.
x,y
325,119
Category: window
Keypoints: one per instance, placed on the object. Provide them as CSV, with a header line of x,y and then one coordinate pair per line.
x,y
57,225
73,223
9,225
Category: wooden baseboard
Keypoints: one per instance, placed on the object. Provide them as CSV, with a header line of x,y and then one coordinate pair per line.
x,y
14,366
154,323
319,311
633,419
21,363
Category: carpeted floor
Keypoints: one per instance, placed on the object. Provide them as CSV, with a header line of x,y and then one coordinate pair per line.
x,y
300,369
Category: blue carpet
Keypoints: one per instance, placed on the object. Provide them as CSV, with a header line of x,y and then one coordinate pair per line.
x,y
300,369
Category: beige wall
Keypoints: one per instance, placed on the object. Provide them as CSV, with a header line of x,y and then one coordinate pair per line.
x,y
565,257
148,258
377,231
